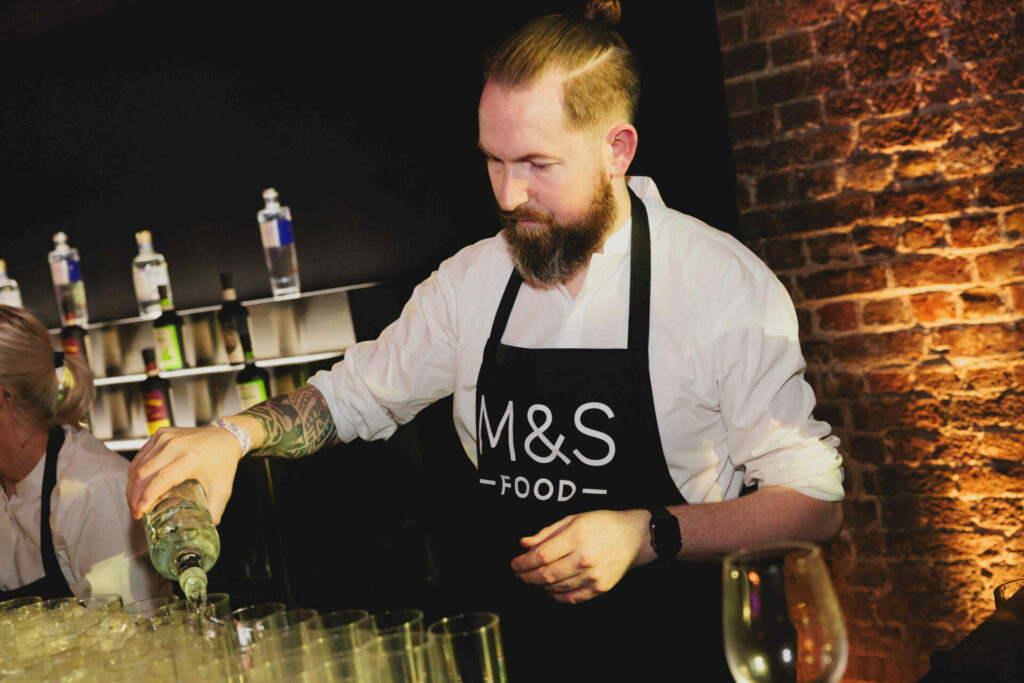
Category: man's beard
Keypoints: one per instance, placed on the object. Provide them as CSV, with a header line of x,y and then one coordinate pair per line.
x,y
553,252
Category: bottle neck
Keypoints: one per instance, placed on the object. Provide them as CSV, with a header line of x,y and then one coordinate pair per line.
x,y
191,575
166,305
228,294
152,370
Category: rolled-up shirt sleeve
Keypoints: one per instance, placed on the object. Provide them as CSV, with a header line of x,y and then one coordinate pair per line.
x,y
383,383
766,403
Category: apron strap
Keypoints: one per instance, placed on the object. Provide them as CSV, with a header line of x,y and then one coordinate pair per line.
x,y
53,445
639,277
508,299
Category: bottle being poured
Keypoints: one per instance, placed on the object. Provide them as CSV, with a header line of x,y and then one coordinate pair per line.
x,y
183,541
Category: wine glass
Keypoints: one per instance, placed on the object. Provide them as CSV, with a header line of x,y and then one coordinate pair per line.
x,y
781,618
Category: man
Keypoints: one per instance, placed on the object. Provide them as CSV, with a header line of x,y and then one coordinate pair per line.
x,y
612,360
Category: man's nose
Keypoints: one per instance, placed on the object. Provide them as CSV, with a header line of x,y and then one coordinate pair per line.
x,y
512,191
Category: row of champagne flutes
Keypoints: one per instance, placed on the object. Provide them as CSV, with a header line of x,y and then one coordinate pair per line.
x,y
165,639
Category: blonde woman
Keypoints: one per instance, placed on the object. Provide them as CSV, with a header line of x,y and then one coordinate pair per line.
x,y
65,528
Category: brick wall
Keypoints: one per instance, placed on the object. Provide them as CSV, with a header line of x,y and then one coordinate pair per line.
x,y
23,18
880,155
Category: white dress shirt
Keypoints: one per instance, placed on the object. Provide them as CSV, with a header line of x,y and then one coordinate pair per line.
x,y
726,368
100,549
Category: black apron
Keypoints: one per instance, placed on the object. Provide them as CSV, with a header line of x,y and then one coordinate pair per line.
x,y
564,431
52,584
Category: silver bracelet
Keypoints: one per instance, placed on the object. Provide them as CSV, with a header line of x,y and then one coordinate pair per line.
x,y
237,432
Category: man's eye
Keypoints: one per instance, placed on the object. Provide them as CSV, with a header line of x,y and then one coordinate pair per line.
x,y
540,165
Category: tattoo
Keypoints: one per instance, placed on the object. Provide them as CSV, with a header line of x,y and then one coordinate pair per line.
x,y
294,424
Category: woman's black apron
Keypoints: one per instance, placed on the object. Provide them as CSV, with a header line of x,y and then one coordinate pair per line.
x,y
52,584
564,431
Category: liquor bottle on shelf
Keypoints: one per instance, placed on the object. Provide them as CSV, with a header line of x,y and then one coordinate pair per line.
x,y
10,293
156,395
66,271
168,330
73,342
149,271
278,245
252,381
233,319
183,541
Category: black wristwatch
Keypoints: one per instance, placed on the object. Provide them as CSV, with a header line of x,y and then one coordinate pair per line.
x,y
665,538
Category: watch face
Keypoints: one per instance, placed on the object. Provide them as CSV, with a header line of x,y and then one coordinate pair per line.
x,y
665,537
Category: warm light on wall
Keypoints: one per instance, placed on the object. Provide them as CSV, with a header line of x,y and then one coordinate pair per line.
x,y
880,154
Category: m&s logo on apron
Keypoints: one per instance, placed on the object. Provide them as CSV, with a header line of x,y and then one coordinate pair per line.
x,y
542,448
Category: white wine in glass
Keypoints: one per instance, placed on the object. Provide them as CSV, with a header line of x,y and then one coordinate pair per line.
x,y
781,618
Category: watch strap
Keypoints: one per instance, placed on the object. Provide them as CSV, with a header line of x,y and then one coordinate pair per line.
x,y
665,537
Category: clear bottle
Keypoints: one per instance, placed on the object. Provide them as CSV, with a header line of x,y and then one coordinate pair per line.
x,y
149,271
66,271
278,245
183,541
10,293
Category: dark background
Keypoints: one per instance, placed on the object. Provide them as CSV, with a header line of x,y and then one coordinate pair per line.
x,y
173,117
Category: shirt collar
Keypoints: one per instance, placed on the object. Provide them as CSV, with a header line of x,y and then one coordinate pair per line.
x,y
31,486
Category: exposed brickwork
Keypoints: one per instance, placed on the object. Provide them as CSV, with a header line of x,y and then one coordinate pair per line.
x,y
879,146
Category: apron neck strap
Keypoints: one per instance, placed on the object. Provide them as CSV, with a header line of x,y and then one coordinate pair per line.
x,y
53,446
639,276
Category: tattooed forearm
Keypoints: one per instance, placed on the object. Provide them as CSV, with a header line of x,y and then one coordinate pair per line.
x,y
294,424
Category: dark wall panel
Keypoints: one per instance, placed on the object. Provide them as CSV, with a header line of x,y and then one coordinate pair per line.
x,y
174,116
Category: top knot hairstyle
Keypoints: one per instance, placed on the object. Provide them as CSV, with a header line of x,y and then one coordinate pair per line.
x,y
601,76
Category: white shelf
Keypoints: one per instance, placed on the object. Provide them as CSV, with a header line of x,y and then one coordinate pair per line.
x,y
134,320
207,370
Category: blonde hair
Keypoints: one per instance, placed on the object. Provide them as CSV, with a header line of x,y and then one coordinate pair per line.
x,y
28,376
602,78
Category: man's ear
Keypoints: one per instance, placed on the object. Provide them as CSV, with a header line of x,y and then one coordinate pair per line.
x,y
620,141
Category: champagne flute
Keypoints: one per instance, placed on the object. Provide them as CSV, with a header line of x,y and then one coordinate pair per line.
x,y
781,618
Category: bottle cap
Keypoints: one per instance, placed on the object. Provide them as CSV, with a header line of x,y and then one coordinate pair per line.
x,y
226,281
270,197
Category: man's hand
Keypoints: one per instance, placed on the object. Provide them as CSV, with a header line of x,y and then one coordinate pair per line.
x,y
172,455
582,556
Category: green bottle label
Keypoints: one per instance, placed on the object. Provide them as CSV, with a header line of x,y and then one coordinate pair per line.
x,y
251,393
168,349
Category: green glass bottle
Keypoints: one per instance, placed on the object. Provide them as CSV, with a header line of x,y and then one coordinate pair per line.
x,y
170,341
252,382
183,541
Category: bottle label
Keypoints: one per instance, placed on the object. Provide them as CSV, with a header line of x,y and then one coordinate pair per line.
x,y
70,346
251,393
231,343
276,233
59,272
154,403
147,281
74,271
168,349
10,297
